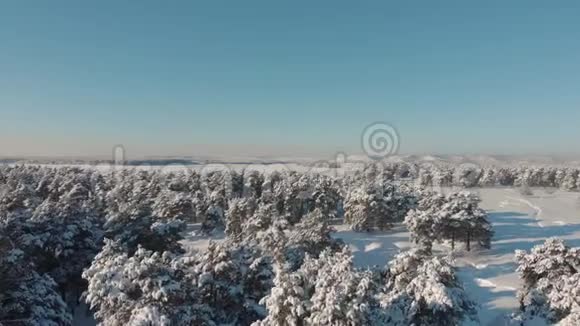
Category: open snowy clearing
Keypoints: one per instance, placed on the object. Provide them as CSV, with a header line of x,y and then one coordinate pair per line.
x,y
520,222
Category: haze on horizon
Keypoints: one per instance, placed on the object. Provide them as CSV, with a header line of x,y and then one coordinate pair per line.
x,y
295,78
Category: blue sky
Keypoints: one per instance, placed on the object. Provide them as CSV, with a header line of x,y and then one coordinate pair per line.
x,y
184,77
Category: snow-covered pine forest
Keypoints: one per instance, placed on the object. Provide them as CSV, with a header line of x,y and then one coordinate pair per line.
x,y
144,247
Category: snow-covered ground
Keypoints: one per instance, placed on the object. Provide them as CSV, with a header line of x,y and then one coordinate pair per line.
x,y
520,222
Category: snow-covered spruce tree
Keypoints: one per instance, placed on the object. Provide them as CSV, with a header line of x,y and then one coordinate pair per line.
x,y
371,172
488,178
461,219
176,181
427,291
134,225
200,206
505,177
539,177
269,187
311,236
253,181
237,187
234,216
174,205
273,239
559,177
273,234
523,177
422,226
99,186
27,298
431,200
303,191
293,196
59,238
423,222
438,297
239,211
564,300
551,276
405,171
341,295
63,237
578,182
143,289
213,181
467,176
214,215
402,199
231,279
313,233
376,206
357,210
18,199
569,181
193,181
443,177
287,301
326,197
573,319
132,187
324,291
261,220
425,176
385,207
548,177
550,260
402,269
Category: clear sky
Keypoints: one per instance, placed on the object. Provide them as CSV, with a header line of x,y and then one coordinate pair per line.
x,y
182,77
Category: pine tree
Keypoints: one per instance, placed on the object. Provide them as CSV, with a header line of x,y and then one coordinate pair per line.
x,y
467,176
286,303
326,197
215,213
253,181
26,297
341,295
134,226
551,277
147,288
263,217
438,297
174,205
488,178
423,227
324,291
462,219
426,290
569,181
239,211
311,236
358,210
232,279
505,177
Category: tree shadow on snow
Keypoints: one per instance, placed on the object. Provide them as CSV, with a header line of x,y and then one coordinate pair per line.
x,y
374,248
483,280
514,226
487,295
